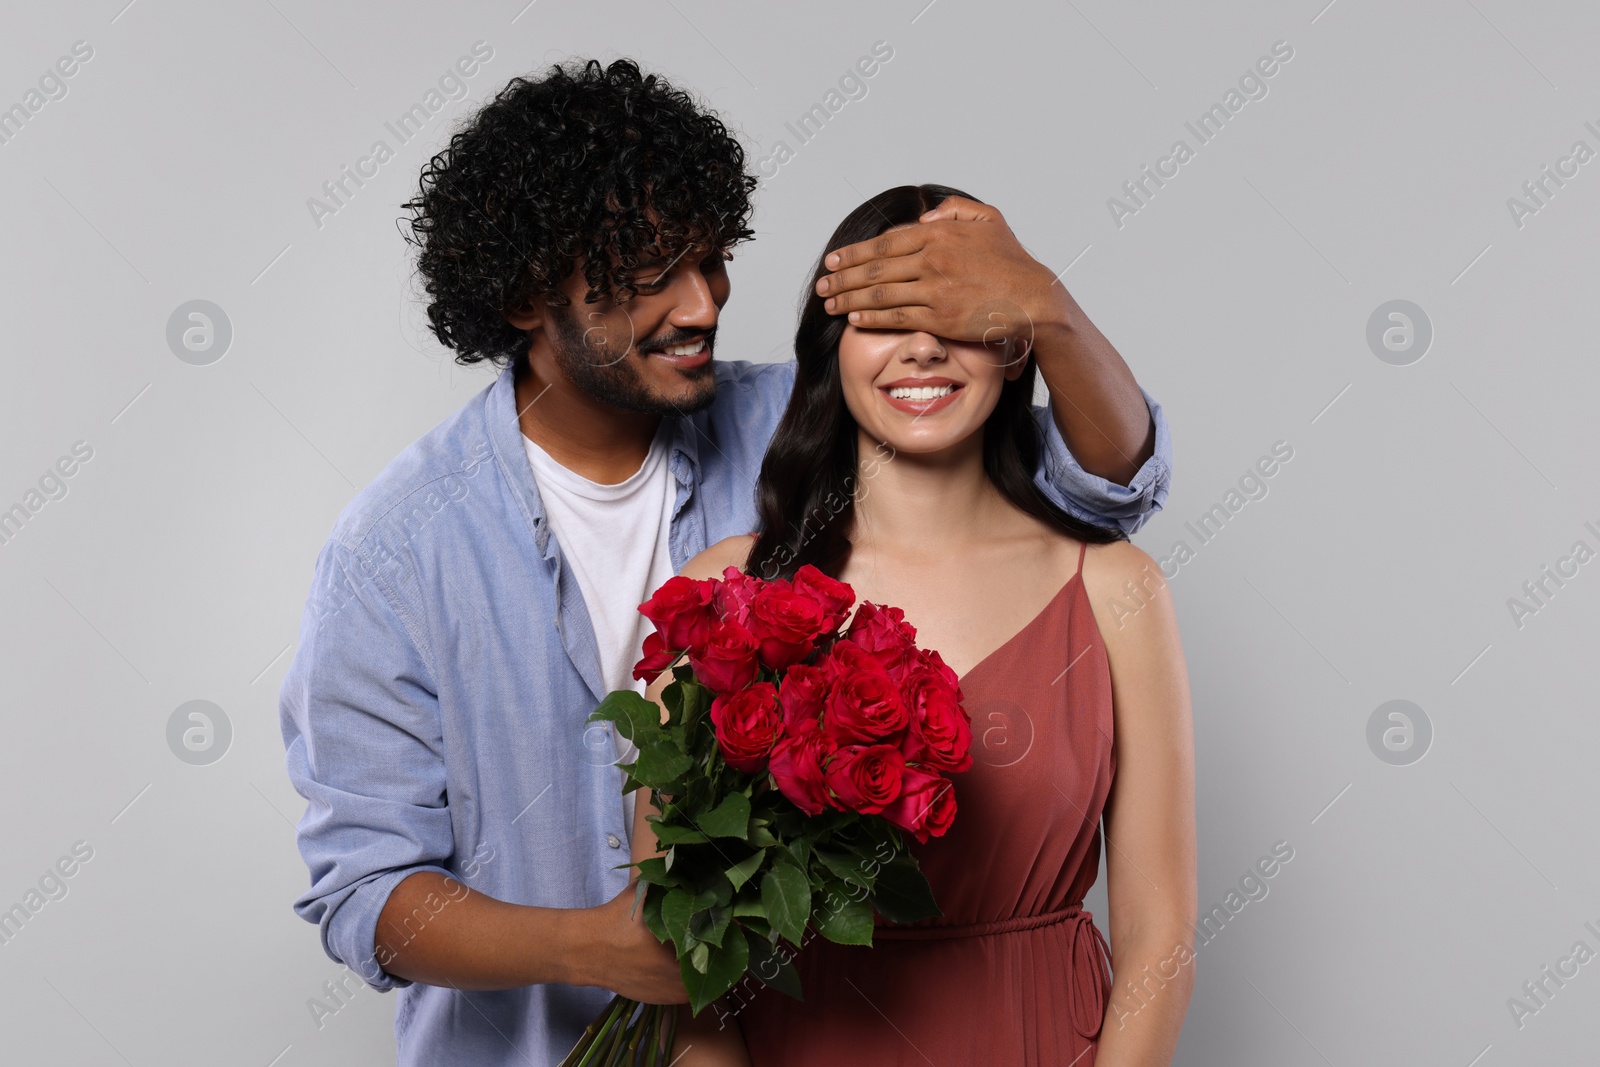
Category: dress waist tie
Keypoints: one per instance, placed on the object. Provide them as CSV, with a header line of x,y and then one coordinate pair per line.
x,y
1086,947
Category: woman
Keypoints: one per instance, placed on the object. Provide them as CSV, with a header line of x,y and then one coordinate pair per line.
x,y
903,467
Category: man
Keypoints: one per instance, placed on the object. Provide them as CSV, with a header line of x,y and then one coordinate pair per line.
x,y
465,828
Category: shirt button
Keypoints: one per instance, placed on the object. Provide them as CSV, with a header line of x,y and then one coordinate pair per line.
x,y
613,840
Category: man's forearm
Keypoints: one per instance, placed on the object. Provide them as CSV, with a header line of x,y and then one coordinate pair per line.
x,y
1094,397
435,930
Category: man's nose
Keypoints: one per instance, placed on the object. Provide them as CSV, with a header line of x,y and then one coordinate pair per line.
x,y
696,306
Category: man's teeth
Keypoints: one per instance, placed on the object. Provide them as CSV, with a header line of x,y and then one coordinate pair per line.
x,y
685,350
920,392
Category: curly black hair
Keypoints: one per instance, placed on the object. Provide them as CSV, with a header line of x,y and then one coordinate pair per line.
x,y
599,164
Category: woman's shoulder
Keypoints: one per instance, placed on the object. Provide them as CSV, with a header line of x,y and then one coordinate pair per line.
x,y
1120,579
1115,561
728,552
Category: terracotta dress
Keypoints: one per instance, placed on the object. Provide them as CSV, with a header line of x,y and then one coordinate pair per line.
x,y
1014,972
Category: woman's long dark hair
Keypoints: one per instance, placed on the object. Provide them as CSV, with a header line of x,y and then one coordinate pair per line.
x,y
806,492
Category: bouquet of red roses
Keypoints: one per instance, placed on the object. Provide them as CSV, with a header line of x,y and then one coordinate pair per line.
x,y
790,759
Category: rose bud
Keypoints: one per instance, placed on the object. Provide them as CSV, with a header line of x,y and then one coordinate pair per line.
x,y
786,625
865,778
834,597
926,806
940,726
747,725
885,633
734,594
864,705
803,695
796,767
726,662
657,658
682,611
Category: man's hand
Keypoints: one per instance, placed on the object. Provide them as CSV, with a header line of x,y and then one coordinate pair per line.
x,y
958,272
435,930
628,959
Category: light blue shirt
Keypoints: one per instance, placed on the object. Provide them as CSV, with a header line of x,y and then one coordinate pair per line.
x,y
434,713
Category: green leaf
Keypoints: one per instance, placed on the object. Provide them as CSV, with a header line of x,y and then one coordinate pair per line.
x,y
771,967
672,700
696,700
800,849
699,958
669,834
761,837
757,924
744,870
637,719
724,966
902,894
677,907
848,924
721,890
659,765
709,925
749,903
655,872
848,867
731,818
652,915
786,894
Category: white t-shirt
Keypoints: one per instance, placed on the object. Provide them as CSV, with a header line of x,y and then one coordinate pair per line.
x,y
615,539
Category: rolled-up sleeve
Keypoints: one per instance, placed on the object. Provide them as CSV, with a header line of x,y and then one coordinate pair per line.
x,y
361,728
1095,499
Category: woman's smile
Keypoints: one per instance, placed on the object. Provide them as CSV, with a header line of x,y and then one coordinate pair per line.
x,y
921,396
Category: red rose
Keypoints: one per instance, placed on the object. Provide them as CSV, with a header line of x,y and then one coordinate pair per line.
x,y
747,724
796,767
834,597
786,623
864,703
884,632
865,778
926,806
935,662
846,656
682,610
803,695
877,628
657,658
940,737
734,594
726,661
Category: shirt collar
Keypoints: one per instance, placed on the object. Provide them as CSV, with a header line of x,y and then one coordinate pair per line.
x,y
505,434
685,443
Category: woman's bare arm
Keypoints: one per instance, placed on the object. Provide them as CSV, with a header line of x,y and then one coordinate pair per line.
x,y
1150,834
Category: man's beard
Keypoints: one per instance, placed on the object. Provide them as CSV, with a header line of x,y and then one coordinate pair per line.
x,y
605,369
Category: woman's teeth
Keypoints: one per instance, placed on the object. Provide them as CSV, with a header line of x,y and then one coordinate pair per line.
x,y
685,350
920,392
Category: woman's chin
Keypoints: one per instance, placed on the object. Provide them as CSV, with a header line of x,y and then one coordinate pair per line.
x,y
928,440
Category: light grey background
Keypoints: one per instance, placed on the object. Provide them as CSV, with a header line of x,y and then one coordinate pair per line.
x,y
1378,567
